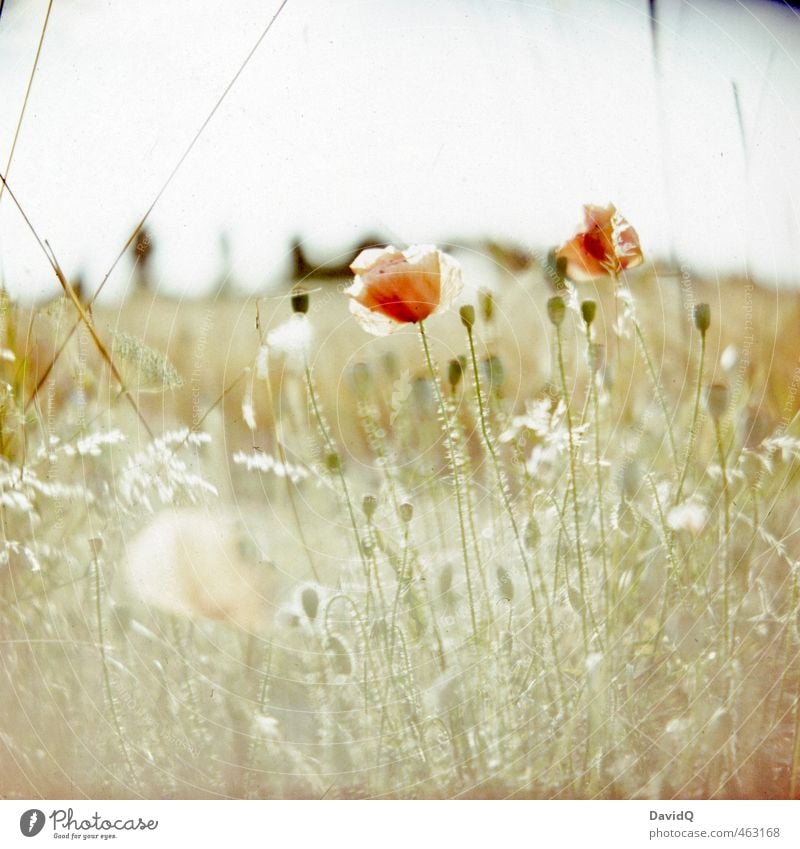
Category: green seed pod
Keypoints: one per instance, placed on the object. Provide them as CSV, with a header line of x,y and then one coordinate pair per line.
x,y
300,302
333,462
454,373
369,505
556,310
486,303
588,311
717,400
339,656
505,584
406,512
532,533
561,272
702,317
495,373
445,579
467,313
390,365
596,356
362,377
309,601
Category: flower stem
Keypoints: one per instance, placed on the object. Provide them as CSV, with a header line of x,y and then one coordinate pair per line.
x,y
331,448
454,466
106,675
658,390
593,391
726,532
695,416
574,487
502,484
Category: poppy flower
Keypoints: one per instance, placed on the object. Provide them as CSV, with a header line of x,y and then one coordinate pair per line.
x,y
394,287
606,246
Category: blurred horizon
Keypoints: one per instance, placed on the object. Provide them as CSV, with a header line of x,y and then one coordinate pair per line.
x,y
418,122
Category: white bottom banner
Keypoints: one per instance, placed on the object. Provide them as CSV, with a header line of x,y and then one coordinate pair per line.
x,y
401,824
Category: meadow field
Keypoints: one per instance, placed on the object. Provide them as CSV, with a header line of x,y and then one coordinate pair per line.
x,y
557,558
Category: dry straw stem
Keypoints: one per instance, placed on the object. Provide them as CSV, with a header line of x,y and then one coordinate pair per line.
x,y
70,292
137,229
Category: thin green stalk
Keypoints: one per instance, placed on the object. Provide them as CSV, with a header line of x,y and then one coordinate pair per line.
x,y
106,674
662,402
726,517
462,471
574,488
599,475
695,416
503,487
793,780
672,579
289,484
454,466
333,453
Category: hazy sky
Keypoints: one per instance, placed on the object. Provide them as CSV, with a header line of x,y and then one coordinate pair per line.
x,y
422,119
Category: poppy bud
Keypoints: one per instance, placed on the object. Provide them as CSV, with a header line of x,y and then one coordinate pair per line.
x,y
309,599
467,313
454,373
486,302
406,512
300,302
588,311
702,317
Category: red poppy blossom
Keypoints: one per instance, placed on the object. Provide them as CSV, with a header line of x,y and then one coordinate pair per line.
x,y
606,246
394,287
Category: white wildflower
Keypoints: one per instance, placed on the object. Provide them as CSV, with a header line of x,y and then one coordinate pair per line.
x,y
729,358
92,444
292,341
622,326
788,446
262,362
690,515
248,411
539,418
158,470
261,462
268,726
